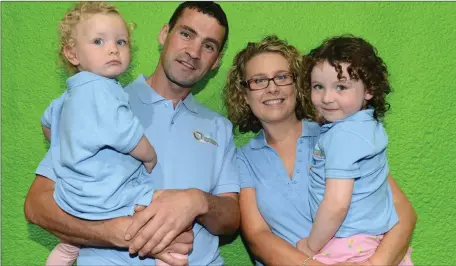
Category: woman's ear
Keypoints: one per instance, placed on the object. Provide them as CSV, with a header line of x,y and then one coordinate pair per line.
x,y
70,55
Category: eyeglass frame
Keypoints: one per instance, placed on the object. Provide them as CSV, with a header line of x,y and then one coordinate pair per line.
x,y
246,83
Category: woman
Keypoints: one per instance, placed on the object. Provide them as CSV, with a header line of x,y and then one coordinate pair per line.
x,y
265,94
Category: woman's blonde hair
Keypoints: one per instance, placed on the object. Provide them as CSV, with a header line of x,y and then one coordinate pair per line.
x,y
78,13
234,93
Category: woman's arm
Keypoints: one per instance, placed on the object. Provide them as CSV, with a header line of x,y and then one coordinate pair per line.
x,y
265,246
395,244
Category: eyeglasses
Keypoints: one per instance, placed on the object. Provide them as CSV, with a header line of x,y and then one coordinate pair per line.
x,y
261,83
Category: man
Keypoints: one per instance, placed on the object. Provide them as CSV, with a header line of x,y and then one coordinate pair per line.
x,y
196,158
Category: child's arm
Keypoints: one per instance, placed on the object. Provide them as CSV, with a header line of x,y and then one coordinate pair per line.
x,y
331,213
46,132
46,118
146,153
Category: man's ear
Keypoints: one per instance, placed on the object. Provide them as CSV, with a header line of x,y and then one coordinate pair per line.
x,y
70,55
163,34
217,61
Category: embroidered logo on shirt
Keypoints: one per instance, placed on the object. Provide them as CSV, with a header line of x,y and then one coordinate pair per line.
x,y
318,152
199,136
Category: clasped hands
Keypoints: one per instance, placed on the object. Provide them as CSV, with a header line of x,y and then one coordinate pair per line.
x,y
165,226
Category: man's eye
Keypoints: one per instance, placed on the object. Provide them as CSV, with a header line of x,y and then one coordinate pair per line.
x,y
185,34
209,47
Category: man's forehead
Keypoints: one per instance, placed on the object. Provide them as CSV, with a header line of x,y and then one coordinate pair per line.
x,y
202,23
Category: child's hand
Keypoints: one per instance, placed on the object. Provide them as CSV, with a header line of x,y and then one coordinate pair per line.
x,y
150,165
304,247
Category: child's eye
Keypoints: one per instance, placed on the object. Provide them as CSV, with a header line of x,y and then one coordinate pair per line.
x,y
341,87
317,87
121,42
98,41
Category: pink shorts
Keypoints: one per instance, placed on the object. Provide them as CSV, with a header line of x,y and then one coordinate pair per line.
x,y
357,248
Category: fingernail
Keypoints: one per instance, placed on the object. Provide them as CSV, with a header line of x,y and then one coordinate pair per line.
x,y
127,237
141,254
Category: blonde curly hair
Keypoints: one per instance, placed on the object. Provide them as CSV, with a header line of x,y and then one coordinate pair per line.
x,y
73,17
239,112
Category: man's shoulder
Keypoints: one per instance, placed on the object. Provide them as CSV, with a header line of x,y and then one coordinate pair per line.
x,y
136,85
206,112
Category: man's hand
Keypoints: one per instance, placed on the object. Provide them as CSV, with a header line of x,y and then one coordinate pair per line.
x,y
304,247
170,213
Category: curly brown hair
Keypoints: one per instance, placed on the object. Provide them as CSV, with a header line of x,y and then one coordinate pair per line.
x,y
76,14
365,64
239,112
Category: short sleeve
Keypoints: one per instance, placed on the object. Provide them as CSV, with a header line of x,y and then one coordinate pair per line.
x,y
97,118
343,152
244,173
228,180
45,167
46,118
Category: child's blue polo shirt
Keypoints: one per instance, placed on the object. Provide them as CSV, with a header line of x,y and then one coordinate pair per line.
x,y
355,148
92,132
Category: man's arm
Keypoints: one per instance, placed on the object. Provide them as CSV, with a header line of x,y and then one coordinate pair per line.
x,y
175,210
221,214
41,209
395,244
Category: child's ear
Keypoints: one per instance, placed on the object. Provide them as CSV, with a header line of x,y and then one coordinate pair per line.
x,y
69,53
368,95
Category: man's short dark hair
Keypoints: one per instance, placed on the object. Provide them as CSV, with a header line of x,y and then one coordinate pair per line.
x,y
209,8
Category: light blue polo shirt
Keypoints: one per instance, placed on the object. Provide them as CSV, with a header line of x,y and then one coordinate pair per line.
x,y
92,132
195,149
283,202
355,148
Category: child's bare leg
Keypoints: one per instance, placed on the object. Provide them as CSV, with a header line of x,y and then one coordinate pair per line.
x,y
63,254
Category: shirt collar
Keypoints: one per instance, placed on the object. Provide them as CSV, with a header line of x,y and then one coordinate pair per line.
x,y
309,129
84,77
363,115
148,95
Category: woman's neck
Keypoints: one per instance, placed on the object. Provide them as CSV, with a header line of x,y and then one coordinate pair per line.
x,y
276,133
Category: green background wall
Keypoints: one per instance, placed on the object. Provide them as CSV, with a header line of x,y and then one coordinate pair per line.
x,y
417,41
